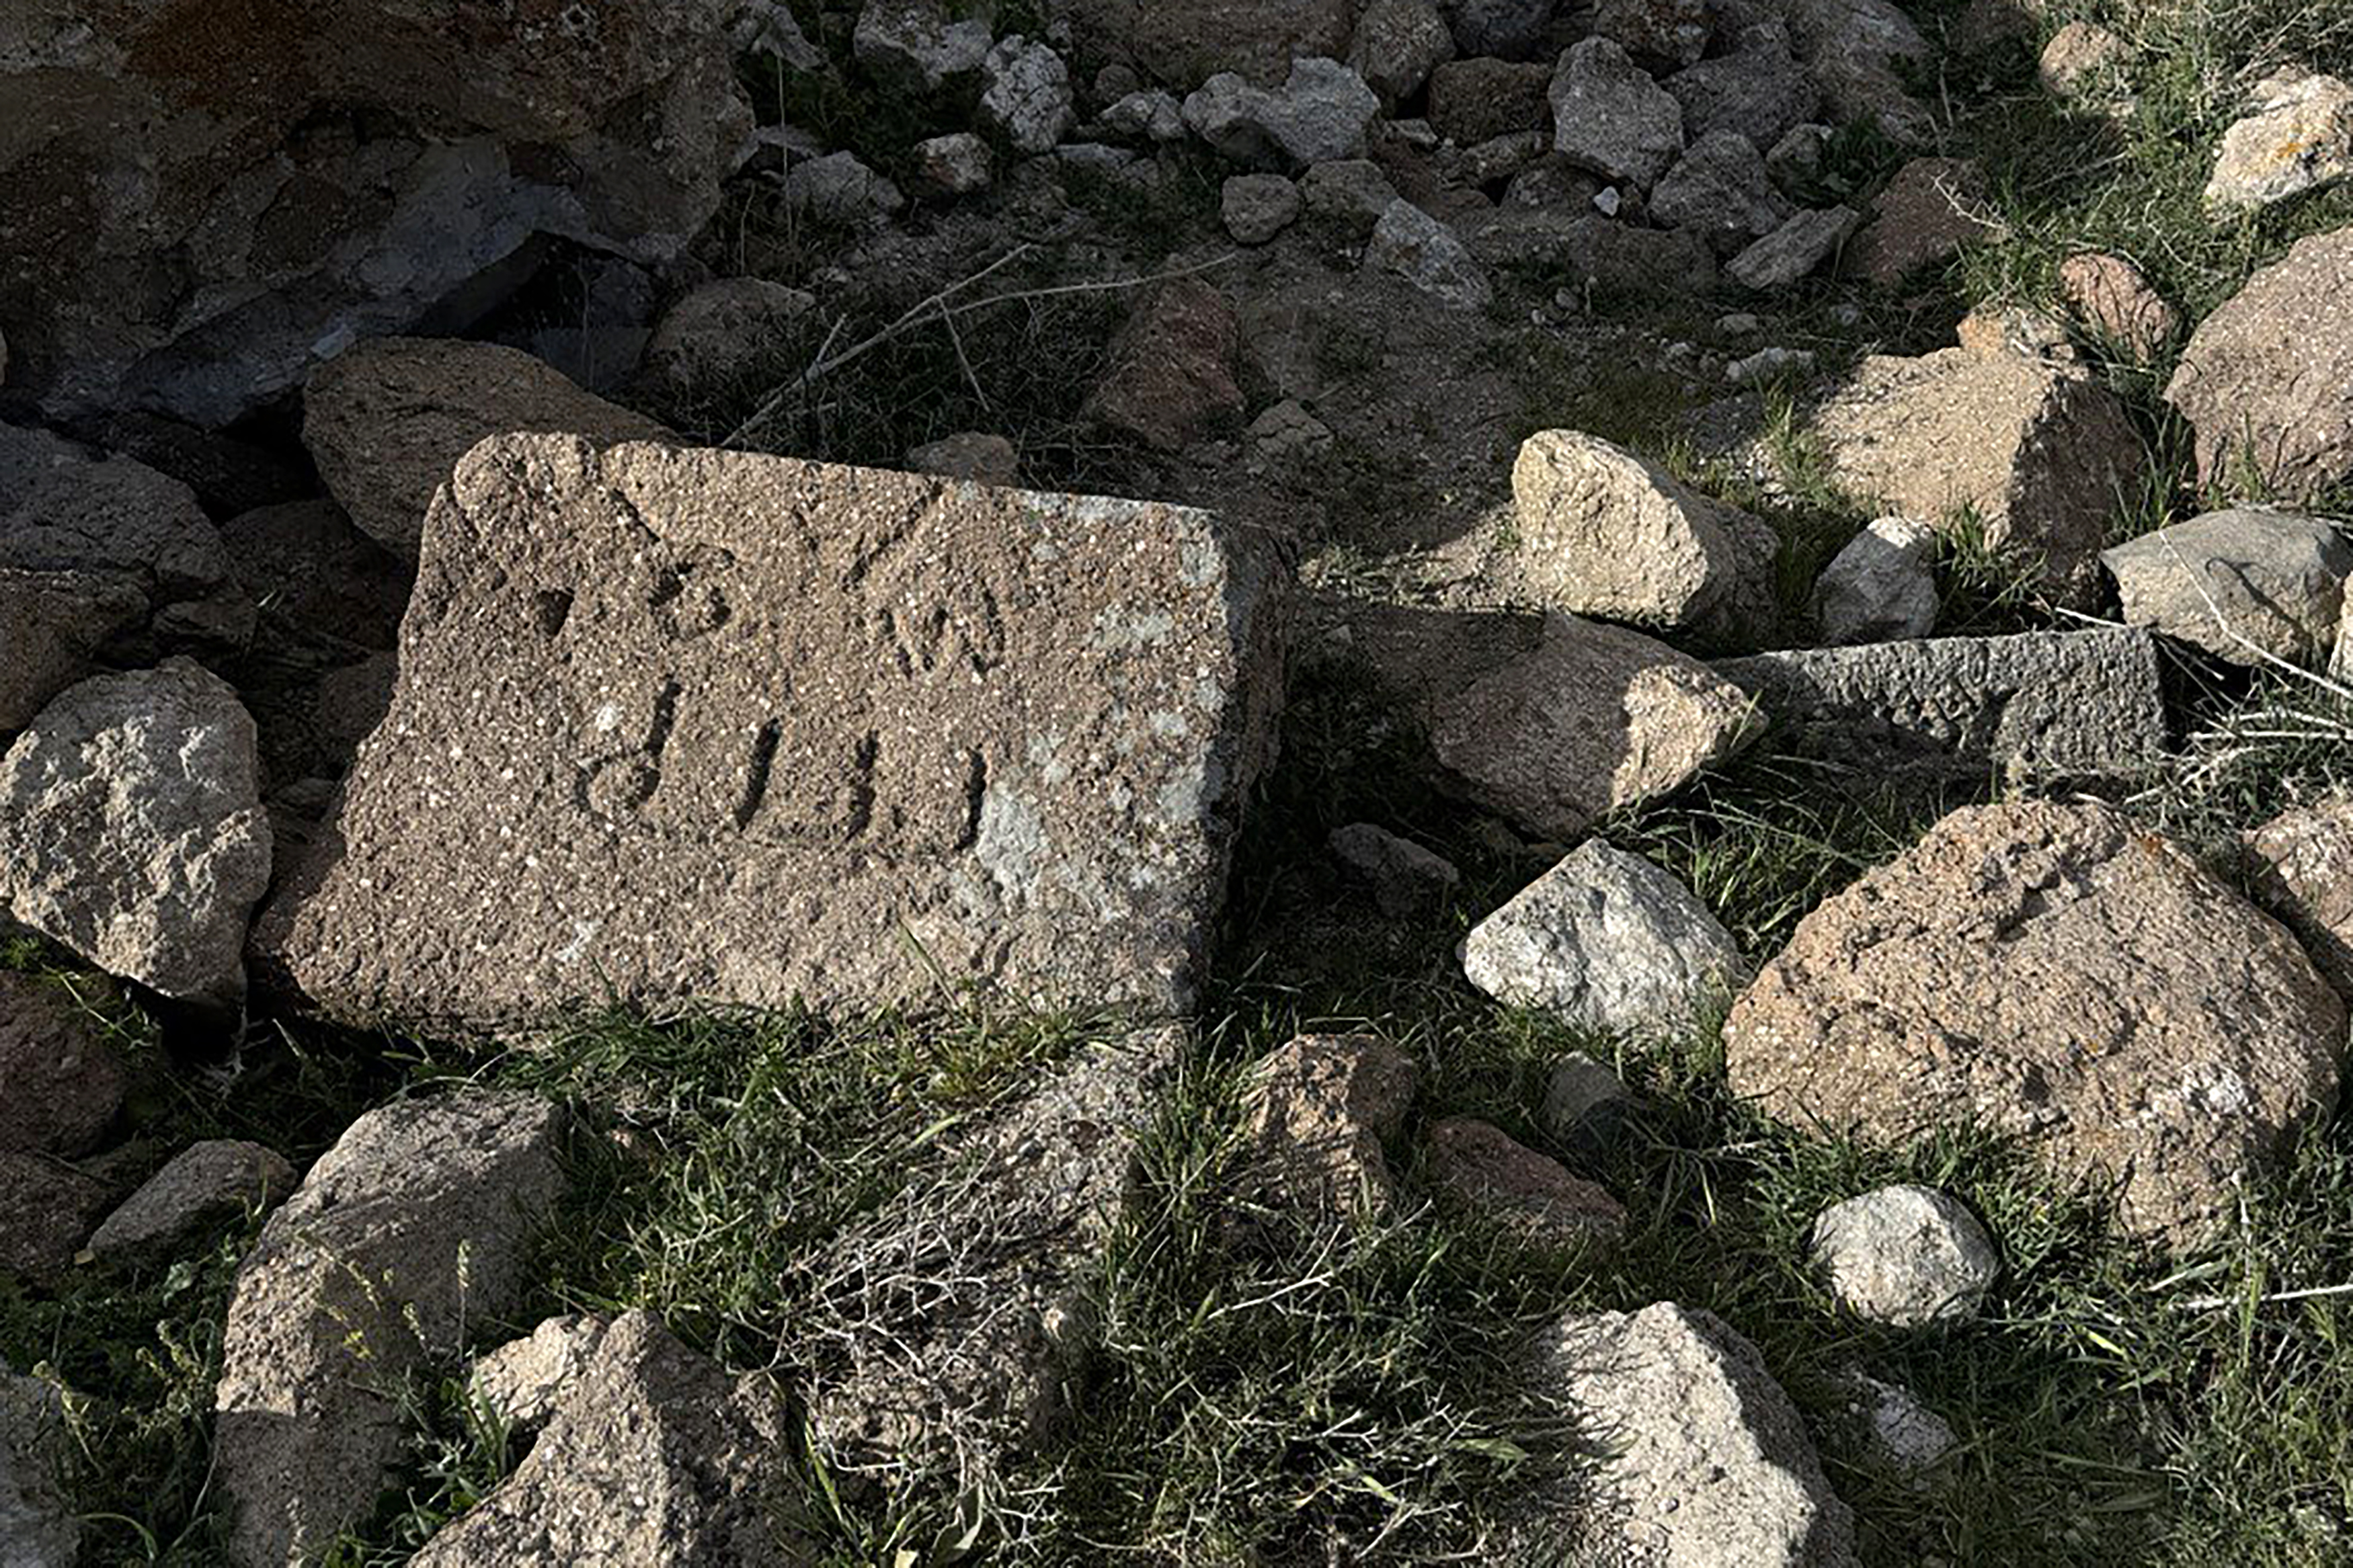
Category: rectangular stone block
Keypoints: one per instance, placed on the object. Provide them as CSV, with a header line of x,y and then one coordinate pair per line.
x,y
678,725
2051,704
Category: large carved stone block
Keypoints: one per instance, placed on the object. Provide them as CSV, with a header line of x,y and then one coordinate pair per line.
x,y
678,725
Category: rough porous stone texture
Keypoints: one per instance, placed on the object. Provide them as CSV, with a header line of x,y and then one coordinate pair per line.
x,y
1257,207
1794,251
1550,721
132,828
914,47
1701,1460
1407,881
1906,1255
2302,864
1903,1431
2115,300
1026,96
1859,53
2267,380
715,336
525,1380
1718,189
2043,704
1758,89
2039,451
1671,32
1930,212
1320,113
2250,584
656,1456
1320,1108
66,509
1605,939
46,1210
952,1334
1881,587
1480,1169
1018,735
1609,116
2078,58
38,1527
1599,530
842,189
1411,243
387,422
1397,43
203,1188
201,203
2054,973
1172,379
971,455
414,1230
1585,1104
60,1081
54,628
1181,45
2298,138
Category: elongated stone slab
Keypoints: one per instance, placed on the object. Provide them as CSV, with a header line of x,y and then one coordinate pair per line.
x,y
679,725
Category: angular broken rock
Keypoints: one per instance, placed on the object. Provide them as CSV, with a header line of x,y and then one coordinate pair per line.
x,y
1701,1460
2299,138
1673,31
2267,380
1719,190
413,1231
1758,89
915,47
203,1187
982,457
53,626
2041,453
60,1081
717,336
524,1380
1319,1109
1397,43
2054,705
1881,587
951,1334
681,724
1586,1103
1861,53
2252,585
2077,56
1484,1172
1794,250
39,1526
1319,114
1406,880
1903,1431
1416,246
2112,298
387,421
1257,207
1905,1255
46,1210
1027,97
1171,381
1609,116
1605,940
2302,864
942,168
656,1456
1551,720
1601,531
64,508
1932,210
132,828
2055,975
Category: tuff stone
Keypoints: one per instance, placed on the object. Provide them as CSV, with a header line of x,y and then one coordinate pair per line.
x,y
1793,251
2250,584
1906,1255
525,1380
1319,114
202,1188
1172,380
1411,244
60,1081
1480,1169
54,629
2301,863
1881,587
2298,139
39,1526
1027,98
1320,1108
64,508
1609,116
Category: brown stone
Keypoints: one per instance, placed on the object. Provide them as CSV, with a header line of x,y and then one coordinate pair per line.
x,y
1483,1170
327,592
53,628
60,1081
1478,100
2052,974
47,1209
388,421
708,725
1930,211
1319,1109
1179,45
2115,303
1171,381
2302,873
204,1188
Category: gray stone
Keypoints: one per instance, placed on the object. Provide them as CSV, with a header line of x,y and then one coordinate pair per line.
x,y
46,1210
1287,433
1773,362
203,1188
1859,53
1472,100
971,455
1611,254
716,337
38,1527
60,1081
524,1381
1796,161
840,188
1411,243
1719,189
1759,91
1019,737
2252,585
1508,30
2298,139
1673,32
63,509
951,1334
1344,201
192,232
947,167
1905,1256
1585,1104
1550,721
769,27
1494,163
1407,881
53,629
1881,587
1257,207
132,828
1182,44
914,47
2056,705
2267,381
1793,251
1398,43
1902,1432
2057,975
1147,114
1703,1461
1319,114
1319,1109
1484,1173
656,1456
1609,116
1606,941
1027,97
413,1231
387,422
2301,869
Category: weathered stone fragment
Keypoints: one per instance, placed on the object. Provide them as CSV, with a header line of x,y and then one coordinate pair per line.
x,y
53,626
914,47
64,508
1904,1255
719,335
1027,98
1758,90
38,1527
387,422
1480,1169
2298,138
1509,29
1859,53
977,456
203,1187
842,189
525,1380
2112,299
1172,376
1411,243
1881,587
1398,43
760,728
1181,45
2302,873
46,1210
1674,32
1586,1103
952,1334
1320,1108
60,1081
2078,58
1703,1461
1719,190
656,1457
1257,207
1930,212
1793,251
132,828
2052,974
1406,880
1903,1431
1609,116
1477,99
1320,113
412,1232
1605,940
2252,585
2267,380
2049,704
